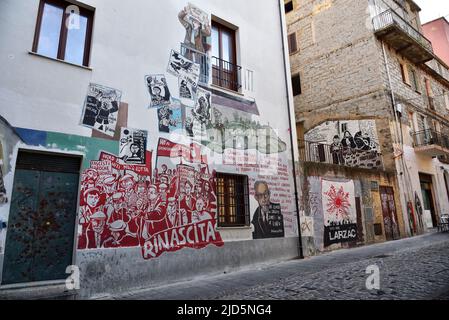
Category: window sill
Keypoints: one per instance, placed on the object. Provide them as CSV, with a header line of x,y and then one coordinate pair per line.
x,y
232,92
58,60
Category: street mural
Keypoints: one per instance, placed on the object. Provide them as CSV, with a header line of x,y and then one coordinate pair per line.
x,y
101,109
163,210
340,217
133,146
353,143
268,221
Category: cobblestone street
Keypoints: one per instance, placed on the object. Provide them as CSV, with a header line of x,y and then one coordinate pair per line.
x,y
416,268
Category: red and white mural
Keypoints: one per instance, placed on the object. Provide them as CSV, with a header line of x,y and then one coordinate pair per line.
x,y
340,215
161,210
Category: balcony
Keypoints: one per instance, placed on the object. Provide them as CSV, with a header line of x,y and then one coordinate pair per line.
x,y
431,142
403,37
226,75
348,157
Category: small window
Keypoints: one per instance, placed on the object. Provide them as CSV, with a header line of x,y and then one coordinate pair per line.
x,y
344,127
404,73
288,6
446,99
292,43
415,80
296,83
63,31
233,200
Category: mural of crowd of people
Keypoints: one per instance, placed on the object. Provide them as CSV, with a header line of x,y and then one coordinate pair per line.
x,y
161,210
352,143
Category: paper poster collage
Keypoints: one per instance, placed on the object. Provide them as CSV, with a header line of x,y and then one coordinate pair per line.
x,y
128,202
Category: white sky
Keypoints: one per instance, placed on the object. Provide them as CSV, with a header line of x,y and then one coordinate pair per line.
x,y
433,9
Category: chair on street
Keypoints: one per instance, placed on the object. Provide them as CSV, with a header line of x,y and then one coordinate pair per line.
x,y
443,225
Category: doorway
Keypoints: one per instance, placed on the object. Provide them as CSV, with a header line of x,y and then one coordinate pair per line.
x,y
41,229
428,199
390,216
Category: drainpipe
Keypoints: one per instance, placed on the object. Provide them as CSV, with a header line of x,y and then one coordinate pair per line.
x,y
287,71
400,141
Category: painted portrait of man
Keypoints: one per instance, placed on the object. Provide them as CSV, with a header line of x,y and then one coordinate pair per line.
x,y
268,221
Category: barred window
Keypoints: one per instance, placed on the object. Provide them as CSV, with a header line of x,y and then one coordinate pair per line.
x,y
233,200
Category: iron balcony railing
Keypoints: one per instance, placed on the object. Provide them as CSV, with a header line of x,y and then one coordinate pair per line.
x,y
391,18
323,153
198,57
430,137
226,74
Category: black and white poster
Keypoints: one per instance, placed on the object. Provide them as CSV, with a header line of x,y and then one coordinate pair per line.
x,y
202,109
179,65
158,89
101,109
133,145
187,89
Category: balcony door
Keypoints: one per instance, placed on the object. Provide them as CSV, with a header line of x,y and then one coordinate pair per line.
x,y
224,57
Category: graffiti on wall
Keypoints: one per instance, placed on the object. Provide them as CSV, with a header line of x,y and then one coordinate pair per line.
x,y
133,146
268,221
352,143
101,109
340,217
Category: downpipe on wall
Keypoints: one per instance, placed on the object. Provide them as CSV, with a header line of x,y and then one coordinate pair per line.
x,y
400,142
287,71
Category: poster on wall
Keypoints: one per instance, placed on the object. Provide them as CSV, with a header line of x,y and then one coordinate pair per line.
x,y
158,90
268,221
133,146
187,89
170,117
101,109
198,28
179,65
340,216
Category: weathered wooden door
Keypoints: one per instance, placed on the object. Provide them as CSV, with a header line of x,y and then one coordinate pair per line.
x,y
40,234
389,213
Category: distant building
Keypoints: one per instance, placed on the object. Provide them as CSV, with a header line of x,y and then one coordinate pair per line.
x,y
437,31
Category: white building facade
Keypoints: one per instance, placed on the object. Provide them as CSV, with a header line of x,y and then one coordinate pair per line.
x,y
143,142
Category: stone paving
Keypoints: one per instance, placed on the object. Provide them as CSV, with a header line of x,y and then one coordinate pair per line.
x,y
414,268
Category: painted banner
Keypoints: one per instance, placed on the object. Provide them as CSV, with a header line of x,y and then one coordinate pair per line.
x,y
138,169
133,146
101,109
172,150
158,89
340,216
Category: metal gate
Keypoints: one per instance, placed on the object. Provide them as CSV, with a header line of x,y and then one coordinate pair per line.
x,y
40,235
389,213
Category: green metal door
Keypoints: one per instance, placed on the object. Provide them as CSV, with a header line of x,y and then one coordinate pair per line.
x,y
40,234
